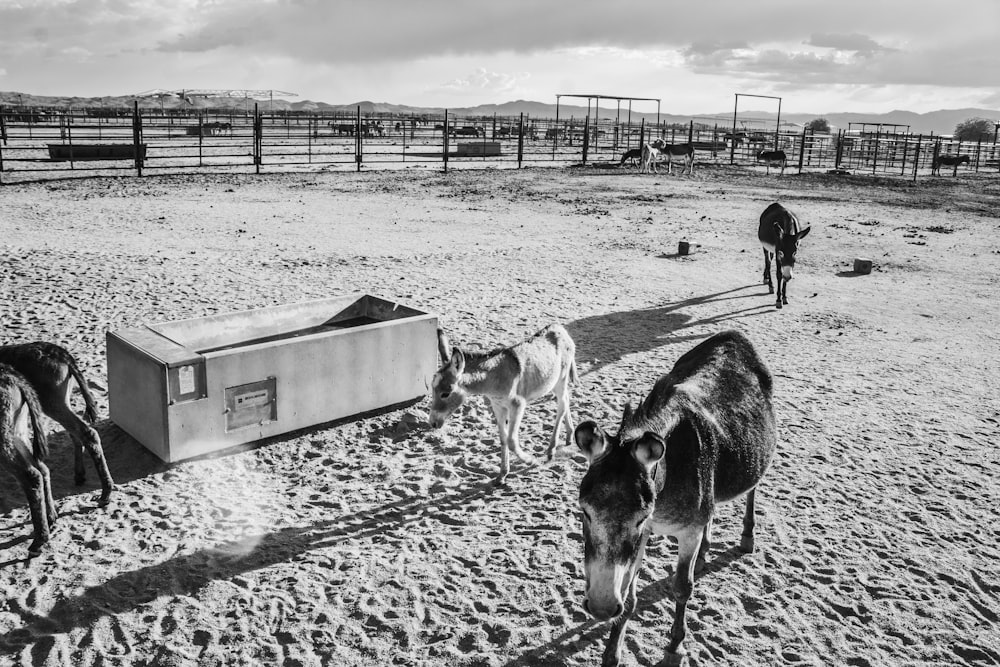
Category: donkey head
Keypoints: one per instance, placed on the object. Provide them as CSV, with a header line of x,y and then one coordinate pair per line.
x,y
787,246
617,496
447,393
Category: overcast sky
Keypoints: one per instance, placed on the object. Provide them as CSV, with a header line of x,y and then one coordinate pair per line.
x,y
850,55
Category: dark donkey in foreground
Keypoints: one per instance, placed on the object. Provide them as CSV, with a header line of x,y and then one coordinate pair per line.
x,y
49,368
23,449
704,435
779,233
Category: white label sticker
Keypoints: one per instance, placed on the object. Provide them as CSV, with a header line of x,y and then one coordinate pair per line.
x,y
185,380
252,399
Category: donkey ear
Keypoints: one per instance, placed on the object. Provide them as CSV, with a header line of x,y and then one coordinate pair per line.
x,y
648,449
626,415
443,346
803,233
457,360
590,439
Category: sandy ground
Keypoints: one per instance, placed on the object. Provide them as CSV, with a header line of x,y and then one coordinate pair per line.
x,y
375,542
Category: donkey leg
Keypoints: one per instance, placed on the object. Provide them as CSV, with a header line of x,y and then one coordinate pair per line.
x,y
500,412
561,393
688,544
84,437
780,280
50,504
516,413
767,272
706,544
32,481
749,522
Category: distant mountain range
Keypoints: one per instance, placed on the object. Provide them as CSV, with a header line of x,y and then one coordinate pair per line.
x,y
937,122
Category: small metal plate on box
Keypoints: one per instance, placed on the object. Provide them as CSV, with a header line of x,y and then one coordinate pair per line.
x,y
186,383
251,404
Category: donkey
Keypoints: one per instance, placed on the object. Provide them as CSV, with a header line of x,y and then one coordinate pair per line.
x,y
509,378
704,435
683,152
948,161
779,233
773,158
23,449
49,368
630,156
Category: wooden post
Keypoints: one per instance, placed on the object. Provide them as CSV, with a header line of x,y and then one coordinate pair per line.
x,y
201,132
258,137
979,143
878,132
906,149
916,158
586,137
642,131
732,145
69,135
690,131
136,137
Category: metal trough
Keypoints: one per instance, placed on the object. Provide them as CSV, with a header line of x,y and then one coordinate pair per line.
x,y
63,152
191,387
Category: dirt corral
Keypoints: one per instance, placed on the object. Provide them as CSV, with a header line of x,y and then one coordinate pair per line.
x,y
379,541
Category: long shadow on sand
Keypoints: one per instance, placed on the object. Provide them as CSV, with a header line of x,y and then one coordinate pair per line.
x,y
605,339
576,639
186,574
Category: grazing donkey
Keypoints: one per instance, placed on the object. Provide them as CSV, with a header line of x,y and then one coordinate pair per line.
x,y
509,378
779,233
49,367
705,435
631,156
23,449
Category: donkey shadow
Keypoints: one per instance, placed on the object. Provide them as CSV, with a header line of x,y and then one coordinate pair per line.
x,y
186,574
590,632
605,339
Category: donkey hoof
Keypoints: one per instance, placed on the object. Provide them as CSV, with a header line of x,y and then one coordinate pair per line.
x,y
105,497
35,548
777,304
770,289
747,545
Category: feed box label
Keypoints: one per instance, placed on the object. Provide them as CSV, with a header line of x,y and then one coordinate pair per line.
x,y
251,404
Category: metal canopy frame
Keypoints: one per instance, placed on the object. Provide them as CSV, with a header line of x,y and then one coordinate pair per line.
x,y
777,125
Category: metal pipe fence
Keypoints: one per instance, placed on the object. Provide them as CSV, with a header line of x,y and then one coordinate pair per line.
x,y
51,145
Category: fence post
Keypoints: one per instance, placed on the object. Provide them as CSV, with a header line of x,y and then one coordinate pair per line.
x,y
444,142
3,126
586,137
906,149
358,144
802,149
979,143
520,141
642,132
258,137
201,134
136,138
878,132
916,157
838,154
690,131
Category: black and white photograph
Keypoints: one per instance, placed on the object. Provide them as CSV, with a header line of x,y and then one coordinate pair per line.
x,y
499,334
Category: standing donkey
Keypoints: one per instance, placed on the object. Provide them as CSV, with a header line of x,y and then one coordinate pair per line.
x,y
23,448
509,378
779,233
49,368
704,435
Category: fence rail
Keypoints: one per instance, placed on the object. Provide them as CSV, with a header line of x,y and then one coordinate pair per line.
x,y
46,145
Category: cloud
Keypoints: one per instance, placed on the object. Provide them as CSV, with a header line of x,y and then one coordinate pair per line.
x,y
852,42
483,80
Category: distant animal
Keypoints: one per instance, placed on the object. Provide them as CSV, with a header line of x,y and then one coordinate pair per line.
x,y
683,152
23,449
948,161
49,368
631,156
773,159
343,128
509,378
704,435
649,156
779,233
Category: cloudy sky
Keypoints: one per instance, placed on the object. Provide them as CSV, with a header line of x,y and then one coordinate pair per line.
x,y
819,56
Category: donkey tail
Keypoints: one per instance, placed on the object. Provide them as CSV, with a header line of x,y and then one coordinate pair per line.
x,y
573,375
91,410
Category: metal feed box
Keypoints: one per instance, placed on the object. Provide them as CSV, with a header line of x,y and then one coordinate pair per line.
x,y
196,386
